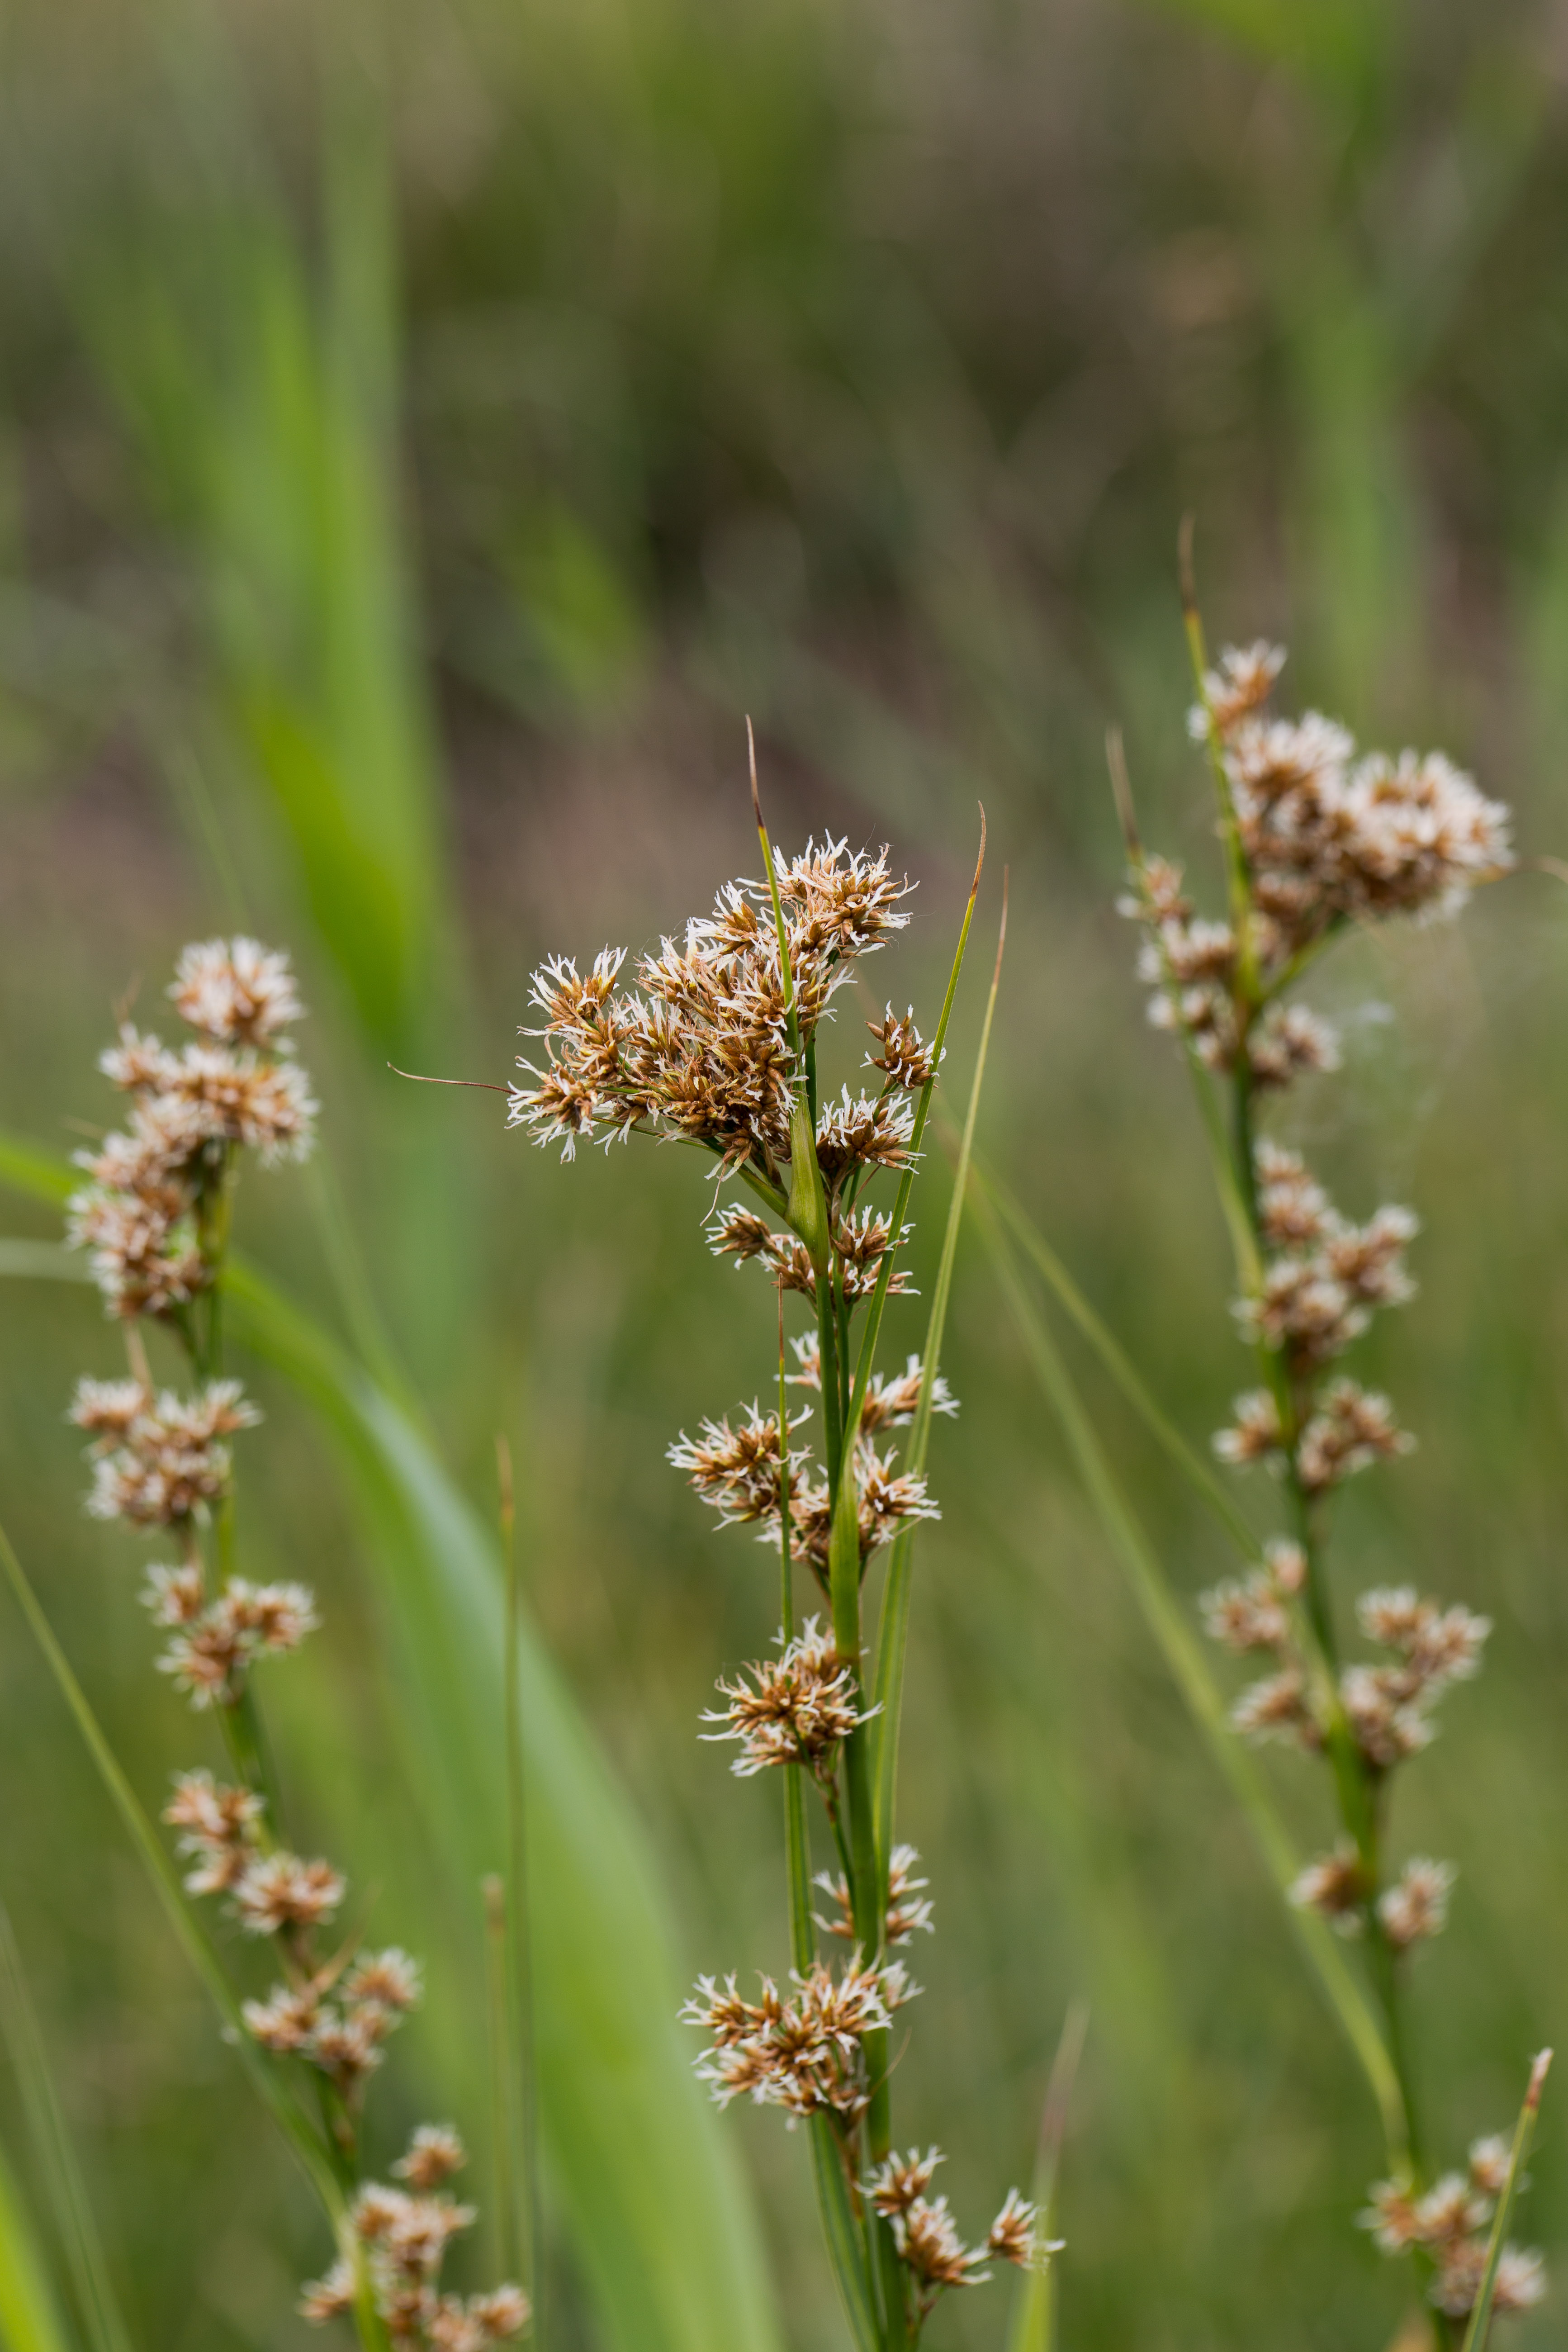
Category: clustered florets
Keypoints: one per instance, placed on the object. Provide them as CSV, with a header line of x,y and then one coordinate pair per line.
x,y
1450,2224
909,1906
803,2051
1387,1707
159,1459
796,1708
702,1052
739,1470
1328,836
146,1215
162,1460
927,2237
404,2234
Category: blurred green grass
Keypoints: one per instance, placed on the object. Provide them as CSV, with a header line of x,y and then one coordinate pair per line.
x,y
423,433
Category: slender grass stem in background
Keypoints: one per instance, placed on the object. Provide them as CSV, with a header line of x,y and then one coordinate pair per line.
x,y
93,2291
1479,2325
1034,2327
718,1044
519,2194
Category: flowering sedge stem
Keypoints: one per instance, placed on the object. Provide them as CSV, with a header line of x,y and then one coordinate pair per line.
x,y
840,2224
1480,2318
808,1214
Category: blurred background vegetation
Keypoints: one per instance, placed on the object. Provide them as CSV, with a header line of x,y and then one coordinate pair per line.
x,y
424,431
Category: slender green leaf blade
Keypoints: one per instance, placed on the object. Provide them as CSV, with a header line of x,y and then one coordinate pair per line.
x,y
29,2316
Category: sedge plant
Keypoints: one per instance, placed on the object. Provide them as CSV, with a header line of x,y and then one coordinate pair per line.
x,y
156,1214
719,1046
1320,839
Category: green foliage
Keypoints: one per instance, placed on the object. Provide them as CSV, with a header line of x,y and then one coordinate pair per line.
x,y
29,2319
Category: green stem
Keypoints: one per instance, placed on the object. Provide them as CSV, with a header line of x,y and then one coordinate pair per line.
x,y
893,1627
840,2223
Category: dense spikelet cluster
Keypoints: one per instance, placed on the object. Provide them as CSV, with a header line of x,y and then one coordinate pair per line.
x,y
404,2233
1385,1708
908,1905
738,1470
804,2051
717,1046
700,1050
795,1709
1450,2225
153,1213
928,2239
157,1218
1328,836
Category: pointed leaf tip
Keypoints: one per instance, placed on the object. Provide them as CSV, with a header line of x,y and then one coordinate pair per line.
x,y
979,861
752,759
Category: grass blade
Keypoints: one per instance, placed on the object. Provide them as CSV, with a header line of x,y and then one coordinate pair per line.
x,y
893,1628
1034,2324
1168,1623
1480,2318
29,2316
1119,1364
54,2157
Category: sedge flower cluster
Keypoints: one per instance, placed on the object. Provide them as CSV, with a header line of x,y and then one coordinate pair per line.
x,y
404,2233
152,1213
1450,2225
701,1049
